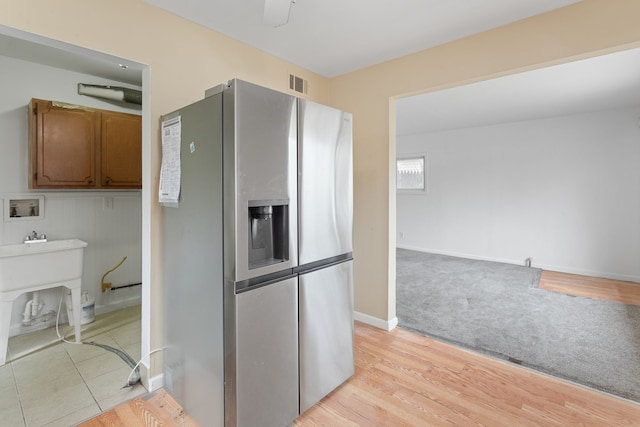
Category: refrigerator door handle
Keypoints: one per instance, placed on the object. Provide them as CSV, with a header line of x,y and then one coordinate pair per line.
x,y
267,279
311,266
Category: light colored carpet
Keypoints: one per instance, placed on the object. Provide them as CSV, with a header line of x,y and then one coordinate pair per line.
x,y
497,309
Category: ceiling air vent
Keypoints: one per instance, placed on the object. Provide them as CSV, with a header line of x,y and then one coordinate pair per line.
x,y
297,84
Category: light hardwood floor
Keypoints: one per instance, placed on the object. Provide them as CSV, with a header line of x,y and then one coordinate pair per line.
x,y
155,409
404,379
592,287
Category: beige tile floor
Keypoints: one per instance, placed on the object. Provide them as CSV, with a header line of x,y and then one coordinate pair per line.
x,y
49,383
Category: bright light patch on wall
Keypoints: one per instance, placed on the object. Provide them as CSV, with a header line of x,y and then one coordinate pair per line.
x,y
410,174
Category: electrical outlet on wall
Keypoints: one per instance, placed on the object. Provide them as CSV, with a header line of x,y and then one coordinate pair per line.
x,y
107,203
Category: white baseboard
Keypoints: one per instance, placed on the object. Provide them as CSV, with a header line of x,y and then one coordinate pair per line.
x,y
548,267
20,329
386,325
150,383
119,305
153,383
462,255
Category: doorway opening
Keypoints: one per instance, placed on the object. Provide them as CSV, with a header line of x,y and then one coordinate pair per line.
x,y
115,223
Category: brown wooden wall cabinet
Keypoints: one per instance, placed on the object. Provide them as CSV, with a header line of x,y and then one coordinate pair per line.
x,y
86,148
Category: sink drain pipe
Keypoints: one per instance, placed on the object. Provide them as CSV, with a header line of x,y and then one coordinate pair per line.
x,y
33,311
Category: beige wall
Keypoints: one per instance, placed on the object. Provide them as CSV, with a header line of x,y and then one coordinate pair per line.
x,y
185,59
585,29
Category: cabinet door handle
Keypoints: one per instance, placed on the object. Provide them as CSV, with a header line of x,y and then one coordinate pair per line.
x,y
90,181
107,180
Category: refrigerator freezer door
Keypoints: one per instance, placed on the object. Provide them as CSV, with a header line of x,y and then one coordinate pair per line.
x,y
326,331
260,162
267,355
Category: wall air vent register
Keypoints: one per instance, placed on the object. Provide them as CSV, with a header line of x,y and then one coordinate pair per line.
x,y
297,84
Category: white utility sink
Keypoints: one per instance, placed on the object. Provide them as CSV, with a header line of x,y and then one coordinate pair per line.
x,y
28,267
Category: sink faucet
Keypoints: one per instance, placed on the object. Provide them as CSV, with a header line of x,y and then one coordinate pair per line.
x,y
33,238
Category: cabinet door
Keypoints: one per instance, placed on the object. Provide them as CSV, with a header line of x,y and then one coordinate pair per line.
x,y
63,146
121,150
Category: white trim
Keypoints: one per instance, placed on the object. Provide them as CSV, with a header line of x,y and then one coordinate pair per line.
x,y
148,190
20,329
118,305
461,255
548,267
386,325
152,383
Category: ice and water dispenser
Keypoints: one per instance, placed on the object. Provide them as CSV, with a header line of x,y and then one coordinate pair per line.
x,y
268,232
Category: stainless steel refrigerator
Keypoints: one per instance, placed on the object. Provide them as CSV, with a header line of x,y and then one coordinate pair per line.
x,y
258,285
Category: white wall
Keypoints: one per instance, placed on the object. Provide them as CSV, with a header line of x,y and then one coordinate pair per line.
x,y
564,191
111,233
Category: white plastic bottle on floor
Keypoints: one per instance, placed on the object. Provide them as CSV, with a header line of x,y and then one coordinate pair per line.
x,y
88,314
87,307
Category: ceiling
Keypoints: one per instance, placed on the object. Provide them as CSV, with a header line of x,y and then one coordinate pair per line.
x,y
596,84
333,37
